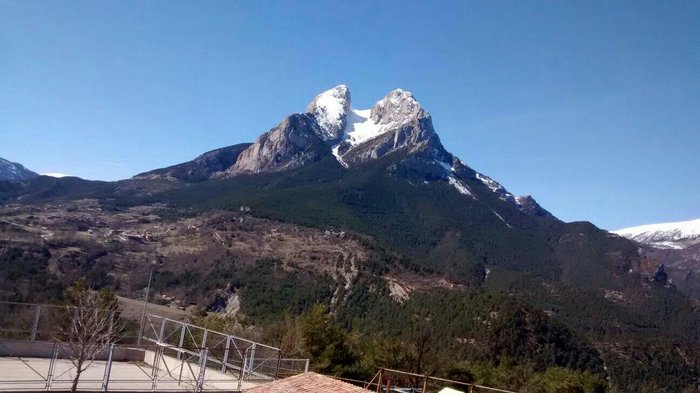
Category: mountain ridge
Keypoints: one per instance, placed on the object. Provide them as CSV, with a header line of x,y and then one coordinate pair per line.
x,y
12,171
675,235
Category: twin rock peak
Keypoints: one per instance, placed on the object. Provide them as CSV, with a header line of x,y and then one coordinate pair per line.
x,y
395,126
331,125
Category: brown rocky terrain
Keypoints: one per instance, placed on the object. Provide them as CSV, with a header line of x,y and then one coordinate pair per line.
x,y
125,244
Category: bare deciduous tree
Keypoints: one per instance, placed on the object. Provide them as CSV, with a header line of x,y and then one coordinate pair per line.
x,y
91,325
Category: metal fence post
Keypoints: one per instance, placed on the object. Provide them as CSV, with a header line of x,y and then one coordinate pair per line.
x,y
108,369
52,365
182,340
252,359
223,364
244,366
306,366
162,330
157,354
202,369
35,325
204,338
279,360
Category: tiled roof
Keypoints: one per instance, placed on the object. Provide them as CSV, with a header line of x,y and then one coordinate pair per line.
x,y
308,383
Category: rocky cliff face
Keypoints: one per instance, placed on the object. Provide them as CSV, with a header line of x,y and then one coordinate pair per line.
x,y
13,171
290,145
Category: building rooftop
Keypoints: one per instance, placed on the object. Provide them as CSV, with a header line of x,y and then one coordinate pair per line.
x,y
308,382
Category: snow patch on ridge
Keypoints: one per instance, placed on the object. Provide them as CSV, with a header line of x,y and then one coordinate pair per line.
x,y
337,156
502,219
494,186
461,187
360,127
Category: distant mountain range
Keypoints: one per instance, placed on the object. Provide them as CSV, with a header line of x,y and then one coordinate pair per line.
x,y
670,235
13,171
675,246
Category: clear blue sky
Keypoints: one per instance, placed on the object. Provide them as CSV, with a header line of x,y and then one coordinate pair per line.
x,y
593,107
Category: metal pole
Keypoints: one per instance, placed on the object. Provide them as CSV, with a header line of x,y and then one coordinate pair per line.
x,y
157,354
162,330
244,369
223,364
182,341
252,360
240,374
425,384
35,326
52,365
279,360
108,369
145,300
204,338
379,382
202,369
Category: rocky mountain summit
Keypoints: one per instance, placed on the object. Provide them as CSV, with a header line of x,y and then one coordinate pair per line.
x,y
331,125
13,171
397,125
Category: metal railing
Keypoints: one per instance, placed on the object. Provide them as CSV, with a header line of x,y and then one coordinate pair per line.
x,y
389,380
176,355
246,359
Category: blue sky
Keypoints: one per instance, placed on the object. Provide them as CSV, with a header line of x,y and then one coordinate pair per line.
x,y
593,107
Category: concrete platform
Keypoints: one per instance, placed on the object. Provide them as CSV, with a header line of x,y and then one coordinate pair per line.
x,y
30,374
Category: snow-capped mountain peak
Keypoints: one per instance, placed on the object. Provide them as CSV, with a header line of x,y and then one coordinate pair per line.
x,y
395,122
331,109
675,235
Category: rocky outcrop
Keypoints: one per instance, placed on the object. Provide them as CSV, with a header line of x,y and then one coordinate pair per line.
x,y
528,205
291,144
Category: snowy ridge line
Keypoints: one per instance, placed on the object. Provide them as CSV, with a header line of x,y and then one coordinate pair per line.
x,y
664,234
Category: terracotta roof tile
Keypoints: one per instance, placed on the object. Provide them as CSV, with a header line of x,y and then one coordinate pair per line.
x,y
308,383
